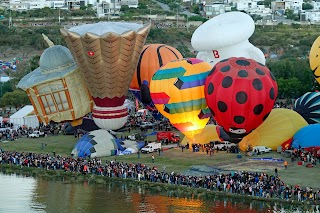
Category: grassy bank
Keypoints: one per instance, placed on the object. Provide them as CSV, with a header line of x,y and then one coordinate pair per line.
x,y
178,161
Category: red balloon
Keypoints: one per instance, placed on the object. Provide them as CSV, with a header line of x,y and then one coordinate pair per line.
x,y
240,93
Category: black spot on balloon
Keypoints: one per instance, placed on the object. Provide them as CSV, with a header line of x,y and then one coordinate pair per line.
x,y
239,119
227,82
260,72
212,71
271,93
224,60
257,84
212,112
241,97
222,106
225,69
257,110
210,88
243,74
243,62
272,76
188,61
265,117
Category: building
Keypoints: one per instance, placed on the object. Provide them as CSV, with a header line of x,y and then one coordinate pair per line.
x,y
108,8
280,6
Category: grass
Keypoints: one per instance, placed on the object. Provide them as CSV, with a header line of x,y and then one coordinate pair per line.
x,y
178,161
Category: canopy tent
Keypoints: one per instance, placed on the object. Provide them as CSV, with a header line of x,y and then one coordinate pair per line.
x,y
25,117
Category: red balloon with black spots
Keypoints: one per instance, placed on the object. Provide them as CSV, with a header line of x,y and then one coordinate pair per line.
x,y
240,93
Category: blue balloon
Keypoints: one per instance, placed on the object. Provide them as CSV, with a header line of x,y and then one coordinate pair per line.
x,y
307,136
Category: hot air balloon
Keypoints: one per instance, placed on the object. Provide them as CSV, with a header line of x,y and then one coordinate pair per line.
x,y
308,106
279,127
224,36
177,90
56,88
306,137
314,59
208,134
240,93
153,57
107,54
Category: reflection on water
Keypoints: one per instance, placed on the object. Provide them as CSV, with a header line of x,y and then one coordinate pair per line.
x,y
25,194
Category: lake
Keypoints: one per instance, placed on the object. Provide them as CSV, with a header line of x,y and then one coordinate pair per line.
x,y
29,194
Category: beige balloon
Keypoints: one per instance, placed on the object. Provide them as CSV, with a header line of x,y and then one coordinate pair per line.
x,y
107,62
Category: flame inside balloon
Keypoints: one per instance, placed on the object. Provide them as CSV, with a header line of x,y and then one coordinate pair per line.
x,y
177,90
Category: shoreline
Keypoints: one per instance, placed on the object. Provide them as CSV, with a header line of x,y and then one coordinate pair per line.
x,y
177,190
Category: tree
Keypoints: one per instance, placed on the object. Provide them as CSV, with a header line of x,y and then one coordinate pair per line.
x,y
16,98
307,6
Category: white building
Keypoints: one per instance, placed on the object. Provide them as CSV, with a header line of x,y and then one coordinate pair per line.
x,y
310,16
215,8
315,5
246,4
108,8
280,6
130,3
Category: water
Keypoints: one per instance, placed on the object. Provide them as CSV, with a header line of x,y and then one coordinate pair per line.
x,y
27,194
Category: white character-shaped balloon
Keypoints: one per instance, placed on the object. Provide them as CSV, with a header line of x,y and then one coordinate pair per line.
x,y
224,36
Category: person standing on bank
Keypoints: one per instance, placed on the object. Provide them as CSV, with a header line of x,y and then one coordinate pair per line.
x,y
152,157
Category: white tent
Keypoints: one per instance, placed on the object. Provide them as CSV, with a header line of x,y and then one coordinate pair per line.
x,y
25,116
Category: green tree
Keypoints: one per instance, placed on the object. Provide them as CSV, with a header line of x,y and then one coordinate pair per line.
x,y
307,6
16,98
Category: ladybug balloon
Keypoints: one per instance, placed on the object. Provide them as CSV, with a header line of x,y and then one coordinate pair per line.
x,y
240,93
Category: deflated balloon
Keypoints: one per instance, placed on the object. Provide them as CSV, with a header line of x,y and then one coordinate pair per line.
x,y
279,127
177,90
240,93
209,133
308,136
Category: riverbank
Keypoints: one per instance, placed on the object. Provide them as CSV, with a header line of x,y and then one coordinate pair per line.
x,y
186,162
158,188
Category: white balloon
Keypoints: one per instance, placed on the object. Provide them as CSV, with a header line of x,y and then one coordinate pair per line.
x,y
224,36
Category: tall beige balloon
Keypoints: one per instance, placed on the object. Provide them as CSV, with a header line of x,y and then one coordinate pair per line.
x,y
107,53
280,126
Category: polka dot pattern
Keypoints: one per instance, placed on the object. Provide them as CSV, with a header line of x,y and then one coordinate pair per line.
x,y
210,88
241,97
243,74
241,94
227,82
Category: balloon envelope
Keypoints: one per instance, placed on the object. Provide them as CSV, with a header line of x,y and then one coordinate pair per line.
x,y
153,56
314,60
280,126
107,54
177,90
209,133
224,36
308,106
308,136
240,93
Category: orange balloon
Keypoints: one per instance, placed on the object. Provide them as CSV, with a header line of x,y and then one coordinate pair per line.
x,y
153,56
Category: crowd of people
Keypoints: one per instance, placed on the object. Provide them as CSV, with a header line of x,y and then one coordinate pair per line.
x,y
245,183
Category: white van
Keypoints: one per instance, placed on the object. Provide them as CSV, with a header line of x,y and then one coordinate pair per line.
x,y
262,149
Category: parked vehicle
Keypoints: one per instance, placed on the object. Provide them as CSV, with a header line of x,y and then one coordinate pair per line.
x,y
171,137
36,134
151,147
261,149
223,145
136,136
146,125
